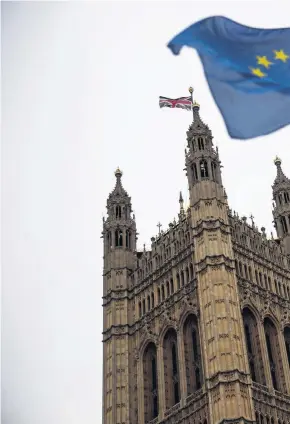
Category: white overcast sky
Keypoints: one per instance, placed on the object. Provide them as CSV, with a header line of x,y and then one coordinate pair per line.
x,y
80,87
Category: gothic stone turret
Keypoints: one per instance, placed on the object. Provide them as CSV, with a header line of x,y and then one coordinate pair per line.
x,y
220,316
119,234
197,327
281,210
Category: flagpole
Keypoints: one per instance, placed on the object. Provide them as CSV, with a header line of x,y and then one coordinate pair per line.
x,y
191,91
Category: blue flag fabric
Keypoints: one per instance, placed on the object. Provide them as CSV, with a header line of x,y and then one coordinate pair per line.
x,y
247,70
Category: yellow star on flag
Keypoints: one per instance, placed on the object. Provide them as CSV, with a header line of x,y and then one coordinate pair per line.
x,y
262,60
258,72
281,55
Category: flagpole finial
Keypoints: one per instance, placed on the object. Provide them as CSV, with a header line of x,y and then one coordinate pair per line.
x,y
190,90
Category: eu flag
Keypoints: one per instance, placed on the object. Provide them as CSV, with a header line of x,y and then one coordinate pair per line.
x,y
247,70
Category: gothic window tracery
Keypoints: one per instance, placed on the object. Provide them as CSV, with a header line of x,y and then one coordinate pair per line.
x,y
253,347
192,354
150,382
171,372
203,169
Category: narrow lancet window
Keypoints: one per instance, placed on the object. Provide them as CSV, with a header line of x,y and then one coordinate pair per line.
x,y
203,169
118,238
118,211
128,239
200,143
284,224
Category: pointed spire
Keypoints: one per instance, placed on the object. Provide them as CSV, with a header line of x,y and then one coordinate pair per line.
x,y
280,177
118,190
181,206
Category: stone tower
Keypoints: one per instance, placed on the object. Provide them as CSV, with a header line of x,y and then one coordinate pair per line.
x,y
119,234
281,210
197,328
224,351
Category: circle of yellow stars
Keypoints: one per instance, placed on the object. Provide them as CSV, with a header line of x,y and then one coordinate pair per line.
x,y
263,61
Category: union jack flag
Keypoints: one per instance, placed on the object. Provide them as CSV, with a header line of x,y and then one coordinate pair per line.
x,y
181,102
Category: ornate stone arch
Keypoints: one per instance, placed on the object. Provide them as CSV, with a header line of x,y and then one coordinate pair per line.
x,y
145,342
253,308
185,313
167,325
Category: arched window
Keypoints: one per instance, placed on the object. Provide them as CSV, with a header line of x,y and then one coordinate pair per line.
x,y
240,269
194,172
187,275
171,285
148,303
250,352
128,239
144,306
280,198
192,354
213,171
118,238
171,376
274,355
150,383
203,169
284,224
175,372
178,281
118,211
254,348
158,295
140,310
287,342
286,197
152,300
200,143
162,292
167,288
246,271
250,273
109,240
191,271
182,278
